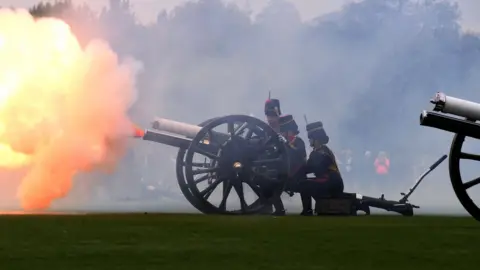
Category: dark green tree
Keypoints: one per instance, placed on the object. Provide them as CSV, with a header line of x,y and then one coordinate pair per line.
x,y
81,19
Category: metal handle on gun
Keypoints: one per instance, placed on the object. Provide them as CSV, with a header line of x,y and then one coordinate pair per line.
x,y
412,189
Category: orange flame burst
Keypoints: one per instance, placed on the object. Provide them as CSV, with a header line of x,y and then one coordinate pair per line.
x,y
63,108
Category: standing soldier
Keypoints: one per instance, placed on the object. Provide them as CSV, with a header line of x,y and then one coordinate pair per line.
x,y
288,128
322,164
272,113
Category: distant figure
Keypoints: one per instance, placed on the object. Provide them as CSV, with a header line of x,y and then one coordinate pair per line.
x,y
368,161
382,168
346,164
347,160
365,170
382,163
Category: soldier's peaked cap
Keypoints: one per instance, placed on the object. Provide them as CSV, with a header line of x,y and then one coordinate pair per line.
x,y
272,107
316,131
287,123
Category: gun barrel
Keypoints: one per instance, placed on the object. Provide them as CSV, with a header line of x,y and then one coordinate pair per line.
x,y
166,139
183,129
449,123
456,106
175,127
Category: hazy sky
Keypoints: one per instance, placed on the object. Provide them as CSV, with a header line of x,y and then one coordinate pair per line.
x,y
148,9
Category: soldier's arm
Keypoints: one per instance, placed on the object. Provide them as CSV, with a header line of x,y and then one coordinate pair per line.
x,y
299,147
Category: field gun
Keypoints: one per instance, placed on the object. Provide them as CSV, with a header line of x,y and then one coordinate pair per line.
x,y
245,154
237,151
457,116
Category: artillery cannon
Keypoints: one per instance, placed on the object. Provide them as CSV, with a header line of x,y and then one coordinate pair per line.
x,y
240,151
458,116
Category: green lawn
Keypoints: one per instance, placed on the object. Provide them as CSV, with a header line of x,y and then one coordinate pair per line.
x,y
161,241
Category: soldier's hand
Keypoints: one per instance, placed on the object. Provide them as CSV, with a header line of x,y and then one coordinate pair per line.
x,y
282,139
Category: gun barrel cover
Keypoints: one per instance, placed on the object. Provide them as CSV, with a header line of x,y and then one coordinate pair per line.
x,y
175,127
456,106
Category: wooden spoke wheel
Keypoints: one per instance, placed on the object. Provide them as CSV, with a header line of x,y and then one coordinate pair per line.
x,y
241,153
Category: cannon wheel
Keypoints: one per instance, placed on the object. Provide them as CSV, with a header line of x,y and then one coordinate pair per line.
x,y
182,183
458,185
232,151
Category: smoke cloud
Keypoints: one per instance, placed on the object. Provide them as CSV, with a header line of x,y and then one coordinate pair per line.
x,y
63,109
366,71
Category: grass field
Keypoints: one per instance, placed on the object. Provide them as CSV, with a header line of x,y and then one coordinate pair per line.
x,y
167,241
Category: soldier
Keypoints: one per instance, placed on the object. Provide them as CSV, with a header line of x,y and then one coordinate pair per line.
x,y
273,112
322,164
288,128
296,146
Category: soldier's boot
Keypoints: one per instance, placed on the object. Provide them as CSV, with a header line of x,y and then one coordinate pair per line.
x,y
307,212
279,207
306,204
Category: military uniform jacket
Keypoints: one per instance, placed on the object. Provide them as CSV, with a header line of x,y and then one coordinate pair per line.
x,y
297,155
321,162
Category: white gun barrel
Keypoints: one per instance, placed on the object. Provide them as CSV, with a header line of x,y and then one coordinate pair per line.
x,y
445,105
456,106
180,128
183,129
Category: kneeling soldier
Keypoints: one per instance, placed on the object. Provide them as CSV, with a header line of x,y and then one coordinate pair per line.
x,y
322,164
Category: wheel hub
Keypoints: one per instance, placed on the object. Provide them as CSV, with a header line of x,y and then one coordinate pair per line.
x,y
237,166
235,159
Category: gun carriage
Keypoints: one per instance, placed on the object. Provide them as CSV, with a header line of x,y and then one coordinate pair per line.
x,y
240,151
457,116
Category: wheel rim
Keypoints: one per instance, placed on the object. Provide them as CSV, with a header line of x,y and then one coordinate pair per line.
x,y
460,188
182,183
235,162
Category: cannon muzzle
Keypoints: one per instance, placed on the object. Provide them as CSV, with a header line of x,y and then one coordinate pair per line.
x,y
174,133
138,132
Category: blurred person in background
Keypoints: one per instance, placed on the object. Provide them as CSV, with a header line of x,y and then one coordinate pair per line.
x,y
365,171
346,158
382,169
